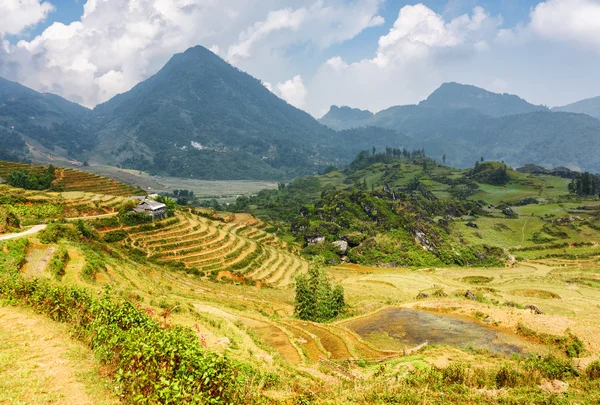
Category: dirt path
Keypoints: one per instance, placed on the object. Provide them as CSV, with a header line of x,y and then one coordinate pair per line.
x,y
40,364
37,260
35,229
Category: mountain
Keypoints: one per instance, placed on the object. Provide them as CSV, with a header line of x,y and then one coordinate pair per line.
x,y
459,96
46,118
465,123
590,106
340,118
201,117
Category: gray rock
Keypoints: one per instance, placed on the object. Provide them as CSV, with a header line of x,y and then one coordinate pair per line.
x,y
342,245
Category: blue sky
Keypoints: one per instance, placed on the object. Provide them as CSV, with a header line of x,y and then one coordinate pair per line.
x,y
369,54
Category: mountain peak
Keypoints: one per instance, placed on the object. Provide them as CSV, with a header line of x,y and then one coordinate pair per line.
x,y
345,117
457,96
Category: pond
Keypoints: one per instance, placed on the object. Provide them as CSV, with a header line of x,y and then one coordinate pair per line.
x,y
400,329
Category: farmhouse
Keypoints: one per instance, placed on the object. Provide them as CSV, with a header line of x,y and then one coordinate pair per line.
x,y
156,209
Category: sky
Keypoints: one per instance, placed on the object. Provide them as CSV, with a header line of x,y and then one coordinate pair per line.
x,y
368,54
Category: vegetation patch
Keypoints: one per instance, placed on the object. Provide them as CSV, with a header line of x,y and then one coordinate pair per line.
x,y
532,293
477,279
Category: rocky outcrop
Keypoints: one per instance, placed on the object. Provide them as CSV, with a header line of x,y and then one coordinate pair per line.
x,y
535,309
342,246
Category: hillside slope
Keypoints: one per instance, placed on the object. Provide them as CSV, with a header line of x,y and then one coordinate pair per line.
x,y
590,106
201,117
48,119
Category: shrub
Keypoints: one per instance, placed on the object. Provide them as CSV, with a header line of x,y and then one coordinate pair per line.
x,y
58,262
316,299
55,232
115,236
593,370
552,367
150,364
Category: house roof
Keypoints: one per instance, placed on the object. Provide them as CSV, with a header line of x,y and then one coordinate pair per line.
x,y
151,205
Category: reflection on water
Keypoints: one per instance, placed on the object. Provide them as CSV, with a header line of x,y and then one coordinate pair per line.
x,y
398,328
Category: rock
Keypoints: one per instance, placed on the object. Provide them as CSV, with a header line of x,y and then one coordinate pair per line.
x,y
472,224
315,240
509,212
487,319
422,296
554,386
470,296
422,240
535,309
342,245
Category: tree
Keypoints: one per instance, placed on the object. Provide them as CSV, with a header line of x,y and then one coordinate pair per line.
x,y
481,158
444,159
317,299
374,150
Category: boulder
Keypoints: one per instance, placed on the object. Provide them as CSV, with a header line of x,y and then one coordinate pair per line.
x,y
509,212
422,296
472,224
315,240
470,296
535,309
342,246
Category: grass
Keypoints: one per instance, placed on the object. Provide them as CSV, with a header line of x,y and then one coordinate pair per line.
x,y
40,364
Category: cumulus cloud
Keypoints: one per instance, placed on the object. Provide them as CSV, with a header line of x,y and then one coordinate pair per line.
x,y
17,15
118,43
293,91
568,20
408,61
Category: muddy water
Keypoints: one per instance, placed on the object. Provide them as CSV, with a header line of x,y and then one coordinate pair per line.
x,y
399,329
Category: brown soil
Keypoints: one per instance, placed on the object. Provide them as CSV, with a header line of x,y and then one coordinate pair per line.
x,y
46,368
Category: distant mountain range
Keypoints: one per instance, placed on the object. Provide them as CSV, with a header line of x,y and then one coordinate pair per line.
x,y
465,123
203,118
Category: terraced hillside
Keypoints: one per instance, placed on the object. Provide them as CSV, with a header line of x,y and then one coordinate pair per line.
x,y
68,179
238,248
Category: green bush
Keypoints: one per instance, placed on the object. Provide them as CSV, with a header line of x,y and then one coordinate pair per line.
x,y
317,299
593,370
150,364
115,236
55,232
58,262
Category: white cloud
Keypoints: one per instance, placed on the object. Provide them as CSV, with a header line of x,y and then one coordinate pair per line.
x,y
293,91
16,15
568,20
409,61
118,43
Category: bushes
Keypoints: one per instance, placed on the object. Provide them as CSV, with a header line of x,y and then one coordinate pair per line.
x,y
593,370
316,299
115,236
55,232
12,254
135,218
58,262
149,363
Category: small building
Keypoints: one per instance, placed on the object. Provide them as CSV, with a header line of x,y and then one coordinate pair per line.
x,y
157,209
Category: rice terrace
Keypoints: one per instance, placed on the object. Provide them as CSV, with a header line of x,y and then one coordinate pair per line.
x,y
228,278
327,202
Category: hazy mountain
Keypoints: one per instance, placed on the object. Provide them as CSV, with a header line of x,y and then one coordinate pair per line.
x,y
340,118
199,116
49,119
590,106
465,123
458,96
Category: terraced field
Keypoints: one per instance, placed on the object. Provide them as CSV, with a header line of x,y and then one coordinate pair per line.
x,y
68,179
239,249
